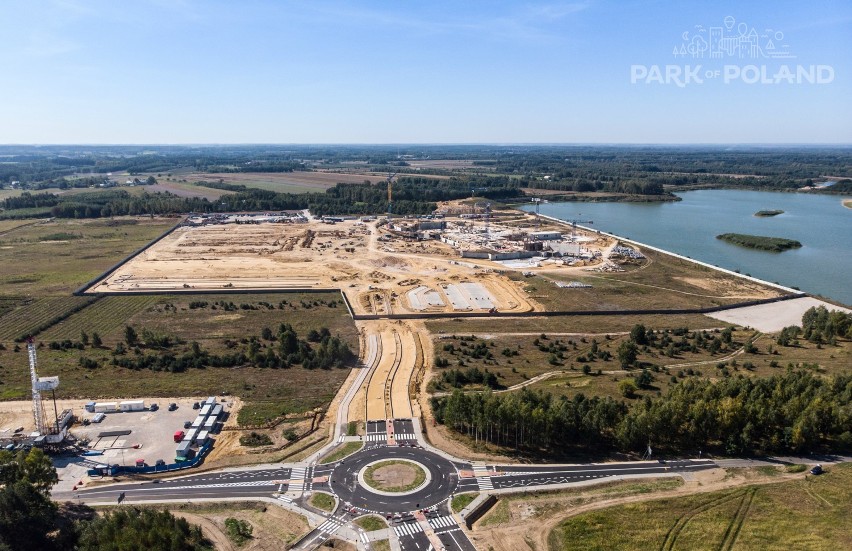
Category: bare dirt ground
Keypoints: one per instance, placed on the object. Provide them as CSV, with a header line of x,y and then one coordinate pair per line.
x,y
395,475
531,519
374,275
271,526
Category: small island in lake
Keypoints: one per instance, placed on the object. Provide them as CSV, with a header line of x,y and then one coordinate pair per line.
x,y
774,244
768,212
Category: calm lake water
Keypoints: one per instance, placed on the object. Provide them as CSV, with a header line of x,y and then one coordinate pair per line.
x,y
820,222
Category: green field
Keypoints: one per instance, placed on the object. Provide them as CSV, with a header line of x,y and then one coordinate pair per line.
x,y
808,513
268,393
662,282
569,378
33,265
567,324
24,317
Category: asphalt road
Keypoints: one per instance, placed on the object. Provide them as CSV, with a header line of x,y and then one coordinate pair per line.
x,y
261,483
344,480
341,479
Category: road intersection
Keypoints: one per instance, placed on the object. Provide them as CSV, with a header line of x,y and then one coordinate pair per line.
x,y
419,519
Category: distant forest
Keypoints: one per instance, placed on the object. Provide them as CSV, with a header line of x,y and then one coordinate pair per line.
x,y
496,172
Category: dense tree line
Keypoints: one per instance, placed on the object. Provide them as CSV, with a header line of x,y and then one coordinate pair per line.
x,y
31,521
30,200
765,167
819,325
793,412
284,349
410,196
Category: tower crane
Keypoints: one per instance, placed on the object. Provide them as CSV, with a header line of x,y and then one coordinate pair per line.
x,y
574,227
390,193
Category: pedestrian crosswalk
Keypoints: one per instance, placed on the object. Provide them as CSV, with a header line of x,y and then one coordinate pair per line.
x,y
297,479
405,436
483,480
285,499
485,483
364,537
341,438
331,525
442,522
377,437
407,529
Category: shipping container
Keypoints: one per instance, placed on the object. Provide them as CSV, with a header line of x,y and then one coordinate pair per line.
x,y
98,417
210,401
217,411
210,423
202,438
205,410
190,435
106,407
184,452
132,405
198,422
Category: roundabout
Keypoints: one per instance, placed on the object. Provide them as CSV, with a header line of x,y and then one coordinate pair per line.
x,y
393,480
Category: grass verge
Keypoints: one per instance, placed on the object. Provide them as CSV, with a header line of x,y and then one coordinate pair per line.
x,y
323,501
371,523
462,500
345,450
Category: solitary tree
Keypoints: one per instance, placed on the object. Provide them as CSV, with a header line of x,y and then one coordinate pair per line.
x,y
130,336
627,352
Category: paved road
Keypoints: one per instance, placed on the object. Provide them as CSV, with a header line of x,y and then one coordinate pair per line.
x,y
292,483
249,483
344,480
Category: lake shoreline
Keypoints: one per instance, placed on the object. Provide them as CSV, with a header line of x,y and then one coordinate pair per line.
x,y
689,227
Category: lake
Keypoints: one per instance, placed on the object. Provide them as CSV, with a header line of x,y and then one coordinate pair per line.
x,y
689,227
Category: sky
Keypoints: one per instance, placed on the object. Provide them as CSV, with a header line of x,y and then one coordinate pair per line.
x,y
589,71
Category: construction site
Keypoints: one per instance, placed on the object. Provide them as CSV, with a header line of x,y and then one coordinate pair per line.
x,y
440,263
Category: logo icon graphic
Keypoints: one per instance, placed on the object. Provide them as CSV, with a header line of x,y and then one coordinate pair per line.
x,y
733,40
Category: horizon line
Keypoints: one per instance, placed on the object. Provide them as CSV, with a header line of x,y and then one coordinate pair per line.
x,y
492,144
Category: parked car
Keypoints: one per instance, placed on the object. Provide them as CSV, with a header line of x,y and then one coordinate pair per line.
x,y
154,407
196,405
161,463
817,469
187,424
172,406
